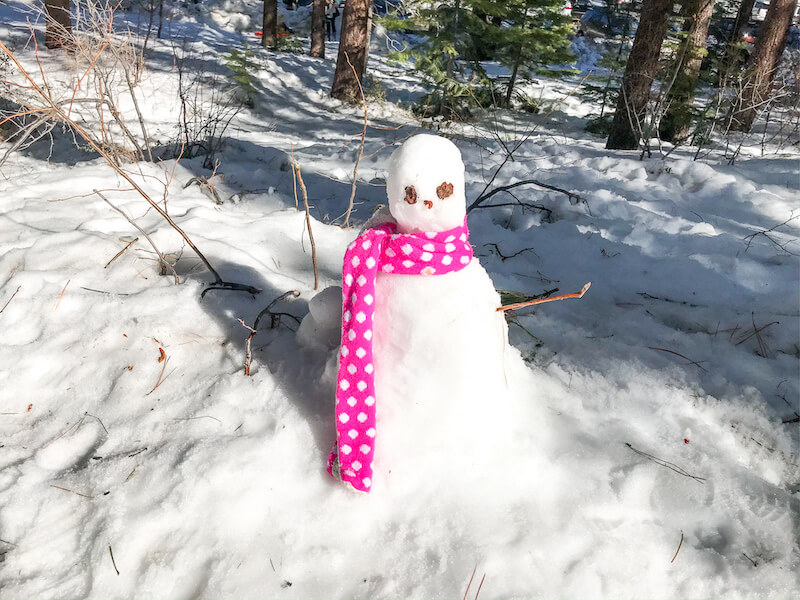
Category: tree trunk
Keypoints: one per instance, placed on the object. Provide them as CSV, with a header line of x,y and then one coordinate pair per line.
x,y
318,29
58,26
269,29
640,71
763,64
353,46
675,124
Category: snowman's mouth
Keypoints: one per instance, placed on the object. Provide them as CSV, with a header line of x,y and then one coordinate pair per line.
x,y
428,203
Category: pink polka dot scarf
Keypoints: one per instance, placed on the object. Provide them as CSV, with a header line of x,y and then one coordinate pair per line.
x,y
390,252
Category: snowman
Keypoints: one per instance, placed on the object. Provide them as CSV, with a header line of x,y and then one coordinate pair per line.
x,y
421,372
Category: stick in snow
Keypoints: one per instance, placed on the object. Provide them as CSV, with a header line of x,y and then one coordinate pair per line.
x,y
667,464
678,550
543,300
113,562
19,287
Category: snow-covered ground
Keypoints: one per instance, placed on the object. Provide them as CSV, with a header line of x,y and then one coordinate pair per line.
x,y
129,427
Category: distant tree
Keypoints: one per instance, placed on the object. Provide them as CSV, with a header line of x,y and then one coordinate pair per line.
x,y
530,34
269,28
761,68
454,36
733,44
640,71
674,126
318,29
58,27
351,61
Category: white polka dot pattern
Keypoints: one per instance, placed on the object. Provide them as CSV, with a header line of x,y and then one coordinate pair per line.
x,y
430,253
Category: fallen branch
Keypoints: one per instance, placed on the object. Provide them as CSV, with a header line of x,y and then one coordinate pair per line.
x,y
668,465
274,322
543,300
749,239
504,258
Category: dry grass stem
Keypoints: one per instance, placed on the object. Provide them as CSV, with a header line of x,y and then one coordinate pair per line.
x,y
19,287
667,464
691,362
120,253
308,223
361,147
113,562
678,550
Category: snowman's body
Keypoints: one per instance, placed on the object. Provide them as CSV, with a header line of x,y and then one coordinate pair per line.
x,y
439,354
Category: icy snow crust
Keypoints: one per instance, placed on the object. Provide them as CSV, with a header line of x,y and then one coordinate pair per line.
x,y
213,484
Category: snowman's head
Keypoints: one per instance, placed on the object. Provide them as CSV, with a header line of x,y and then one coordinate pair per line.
x,y
425,185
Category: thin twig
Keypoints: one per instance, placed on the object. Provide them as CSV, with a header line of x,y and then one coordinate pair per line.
x,y
678,550
162,261
667,464
63,489
113,562
504,188
247,353
504,258
98,420
470,582
308,224
19,287
121,252
276,319
691,362
161,377
294,176
480,586
61,295
361,148
755,564
543,300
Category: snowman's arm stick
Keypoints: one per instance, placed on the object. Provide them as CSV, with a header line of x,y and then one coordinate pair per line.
x,y
543,300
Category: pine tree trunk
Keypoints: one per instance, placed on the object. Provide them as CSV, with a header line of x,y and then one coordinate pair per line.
x,y
269,29
764,63
353,46
58,27
674,126
318,29
640,71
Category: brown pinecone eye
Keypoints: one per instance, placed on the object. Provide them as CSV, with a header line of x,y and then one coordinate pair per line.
x,y
445,190
411,195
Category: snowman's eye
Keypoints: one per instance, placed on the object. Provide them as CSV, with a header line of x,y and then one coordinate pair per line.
x,y
445,190
411,195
